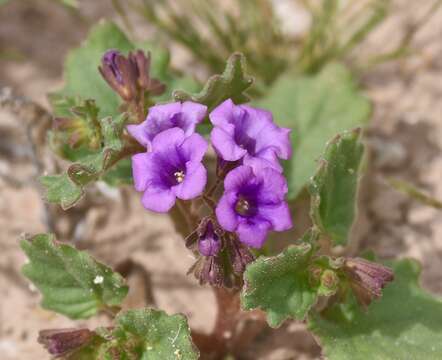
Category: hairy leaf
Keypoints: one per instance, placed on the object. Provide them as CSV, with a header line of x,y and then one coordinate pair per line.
x,y
279,285
153,334
406,323
71,281
333,189
231,84
316,107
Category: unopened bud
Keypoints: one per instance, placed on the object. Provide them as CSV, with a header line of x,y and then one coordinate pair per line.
x,y
60,342
240,256
367,279
209,243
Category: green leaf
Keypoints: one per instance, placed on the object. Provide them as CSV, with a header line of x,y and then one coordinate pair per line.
x,y
153,334
280,285
71,281
405,324
231,84
62,190
333,189
316,107
83,79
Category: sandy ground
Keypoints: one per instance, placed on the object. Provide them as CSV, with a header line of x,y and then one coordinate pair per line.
x,y
405,141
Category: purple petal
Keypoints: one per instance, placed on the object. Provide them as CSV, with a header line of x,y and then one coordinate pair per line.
x,y
139,132
141,165
225,145
194,148
253,232
278,215
193,113
236,178
193,184
167,139
277,139
162,112
223,114
273,186
158,199
225,211
269,161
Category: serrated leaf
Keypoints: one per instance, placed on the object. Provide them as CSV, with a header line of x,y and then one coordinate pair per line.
x,y
156,335
83,79
71,281
316,107
231,84
279,285
406,323
333,188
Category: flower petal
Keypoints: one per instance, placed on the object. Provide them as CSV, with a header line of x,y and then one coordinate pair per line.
x,y
278,215
225,145
236,178
141,168
258,162
273,186
223,114
193,113
253,232
158,199
139,132
225,211
193,184
194,148
167,139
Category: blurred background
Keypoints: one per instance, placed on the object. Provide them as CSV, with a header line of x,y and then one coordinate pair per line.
x,y
388,51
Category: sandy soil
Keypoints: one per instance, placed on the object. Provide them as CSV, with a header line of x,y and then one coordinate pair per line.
x,y
405,141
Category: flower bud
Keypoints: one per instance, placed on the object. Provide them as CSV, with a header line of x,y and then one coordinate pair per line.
x,y
329,283
367,279
59,342
240,256
120,74
209,243
129,76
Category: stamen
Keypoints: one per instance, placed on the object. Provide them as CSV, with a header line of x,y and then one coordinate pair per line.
x,y
179,176
242,207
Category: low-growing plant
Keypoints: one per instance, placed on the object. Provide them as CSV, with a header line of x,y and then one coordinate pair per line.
x,y
227,167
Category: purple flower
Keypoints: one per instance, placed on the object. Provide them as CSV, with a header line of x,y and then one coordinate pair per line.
x,y
173,169
253,204
244,132
162,117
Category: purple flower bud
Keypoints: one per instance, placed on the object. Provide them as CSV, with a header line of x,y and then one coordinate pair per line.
x,y
59,342
253,204
110,60
367,279
209,243
142,64
247,133
240,256
129,76
166,116
173,169
120,74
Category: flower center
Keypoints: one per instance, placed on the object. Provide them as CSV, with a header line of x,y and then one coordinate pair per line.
x,y
242,207
179,176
